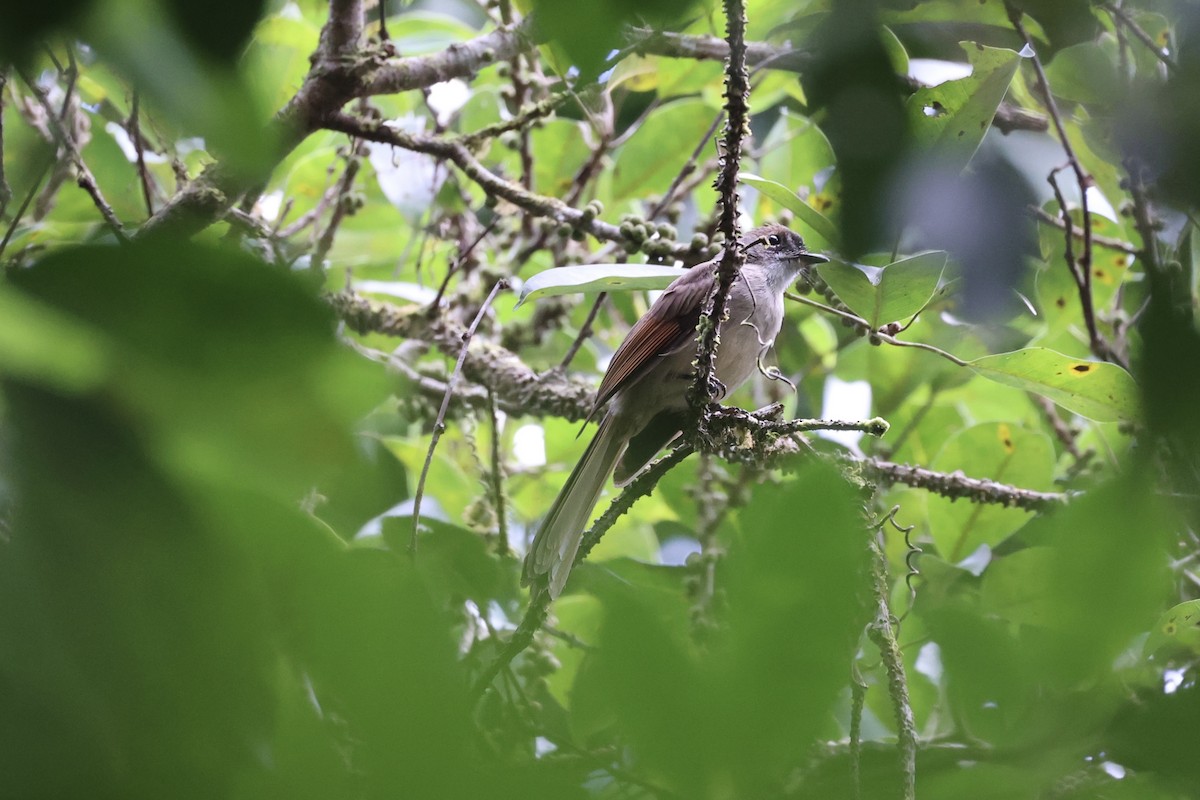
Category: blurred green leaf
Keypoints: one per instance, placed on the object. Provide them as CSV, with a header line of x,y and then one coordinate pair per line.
x,y
206,98
1086,73
219,29
1094,389
218,357
40,345
455,563
372,483
886,294
562,150
764,695
1178,628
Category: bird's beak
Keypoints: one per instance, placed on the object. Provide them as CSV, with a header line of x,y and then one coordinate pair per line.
x,y
813,258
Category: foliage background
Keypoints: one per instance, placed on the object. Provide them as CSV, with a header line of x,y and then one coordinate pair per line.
x,y
231,317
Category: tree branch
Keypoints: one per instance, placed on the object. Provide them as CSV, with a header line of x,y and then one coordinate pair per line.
x,y
457,153
486,364
705,386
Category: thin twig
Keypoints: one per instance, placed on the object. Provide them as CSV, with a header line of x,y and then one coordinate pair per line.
x,y
455,152
340,206
584,331
535,617
497,479
32,193
458,262
1107,242
858,698
383,29
135,134
439,426
1083,274
5,189
687,169
1119,15
84,177
879,334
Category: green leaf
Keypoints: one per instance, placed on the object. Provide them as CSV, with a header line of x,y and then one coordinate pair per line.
x,y
230,368
41,345
886,294
1178,628
660,146
826,232
1086,73
561,149
597,278
951,119
1092,389
1001,452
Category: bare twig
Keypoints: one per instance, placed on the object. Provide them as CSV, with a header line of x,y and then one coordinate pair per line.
x,y
16,220
341,203
84,176
1122,17
439,425
584,332
458,262
5,189
133,124
1083,272
455,152
496,473
1100,241
878,334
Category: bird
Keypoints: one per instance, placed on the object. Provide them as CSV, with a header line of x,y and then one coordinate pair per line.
x,y
647,381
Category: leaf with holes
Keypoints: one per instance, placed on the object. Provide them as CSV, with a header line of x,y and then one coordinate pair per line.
x,y
825,232
589,278
951,119
886,294
1092,389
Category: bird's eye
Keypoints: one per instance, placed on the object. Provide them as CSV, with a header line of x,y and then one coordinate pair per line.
x,y
773,240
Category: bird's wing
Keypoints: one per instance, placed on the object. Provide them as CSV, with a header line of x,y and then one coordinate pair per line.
x,y
669,324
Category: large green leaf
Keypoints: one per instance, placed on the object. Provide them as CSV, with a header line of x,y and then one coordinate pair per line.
x,y
826,233
998,451
1093,389
41,345
659,148
597,278
950,119
886,294
735,712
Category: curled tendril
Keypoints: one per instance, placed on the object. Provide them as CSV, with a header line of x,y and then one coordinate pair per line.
x,y
912,550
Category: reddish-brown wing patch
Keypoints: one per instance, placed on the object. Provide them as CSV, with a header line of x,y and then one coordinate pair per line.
x,y
669,324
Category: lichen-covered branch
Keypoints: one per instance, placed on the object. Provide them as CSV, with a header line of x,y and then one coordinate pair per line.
x,y
705,387
955,485
458,154
550,393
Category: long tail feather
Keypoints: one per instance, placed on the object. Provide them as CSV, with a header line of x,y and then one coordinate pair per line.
x,y
557,541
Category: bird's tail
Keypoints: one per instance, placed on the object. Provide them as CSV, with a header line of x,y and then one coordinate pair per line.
x,y
557,541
